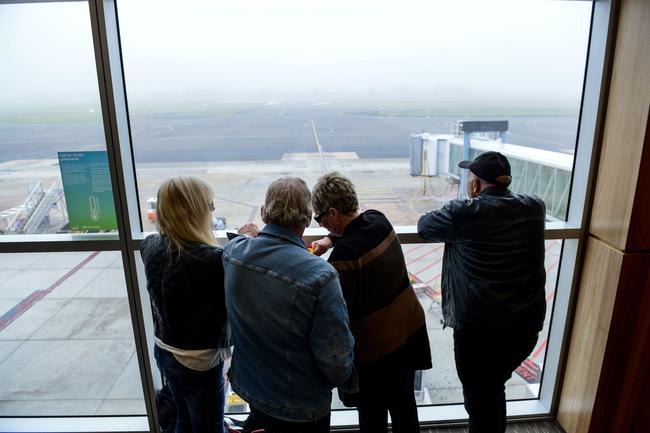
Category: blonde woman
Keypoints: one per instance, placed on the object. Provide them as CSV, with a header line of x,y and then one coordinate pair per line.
x,y
185,282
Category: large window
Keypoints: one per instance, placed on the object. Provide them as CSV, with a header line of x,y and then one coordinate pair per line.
x,y
109,98
67,345
50,113
243,92
387,93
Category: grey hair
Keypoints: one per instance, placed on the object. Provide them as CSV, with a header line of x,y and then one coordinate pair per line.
x,y
287,203
337,191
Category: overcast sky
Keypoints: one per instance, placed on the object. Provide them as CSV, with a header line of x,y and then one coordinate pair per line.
x,y
529,52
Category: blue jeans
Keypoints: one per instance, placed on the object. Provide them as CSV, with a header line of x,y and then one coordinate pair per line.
x,y
199,395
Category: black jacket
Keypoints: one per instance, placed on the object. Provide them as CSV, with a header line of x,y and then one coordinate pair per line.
x,y
493,273
187,294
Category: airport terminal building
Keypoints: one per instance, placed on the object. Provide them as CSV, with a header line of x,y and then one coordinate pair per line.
x,y
104,100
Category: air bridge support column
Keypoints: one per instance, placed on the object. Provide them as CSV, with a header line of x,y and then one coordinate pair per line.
x,y
462,188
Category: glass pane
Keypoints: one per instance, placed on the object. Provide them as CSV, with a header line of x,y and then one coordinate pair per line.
x,y
66,339
440,385
244,92
53,167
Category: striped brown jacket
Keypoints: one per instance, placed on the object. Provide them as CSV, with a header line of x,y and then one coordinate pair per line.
x,y
385,315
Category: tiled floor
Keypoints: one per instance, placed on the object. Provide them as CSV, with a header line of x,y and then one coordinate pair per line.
x,y
528,427
66,342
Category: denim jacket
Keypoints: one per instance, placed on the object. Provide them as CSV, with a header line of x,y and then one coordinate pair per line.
x,y
289,324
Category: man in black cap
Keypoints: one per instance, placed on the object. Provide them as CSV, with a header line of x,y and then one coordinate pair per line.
x,y
493,280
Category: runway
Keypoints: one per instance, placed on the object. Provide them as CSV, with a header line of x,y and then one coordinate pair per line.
x,y
266,132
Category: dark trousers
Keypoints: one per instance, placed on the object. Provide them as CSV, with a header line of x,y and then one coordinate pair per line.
x,y
199,395
258,420
485,361
388,388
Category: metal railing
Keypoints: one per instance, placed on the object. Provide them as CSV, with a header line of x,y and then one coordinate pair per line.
x,y
40,215
25,211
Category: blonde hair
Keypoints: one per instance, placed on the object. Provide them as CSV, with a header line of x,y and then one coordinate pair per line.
x,y
183,211
337,191
287,203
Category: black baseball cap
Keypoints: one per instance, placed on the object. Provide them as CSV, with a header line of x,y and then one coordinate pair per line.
x,y
492,167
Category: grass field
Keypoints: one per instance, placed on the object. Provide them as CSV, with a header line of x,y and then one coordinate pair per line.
x,y
192,109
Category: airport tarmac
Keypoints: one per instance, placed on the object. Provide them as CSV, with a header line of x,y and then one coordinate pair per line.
x,y
265,132
66,343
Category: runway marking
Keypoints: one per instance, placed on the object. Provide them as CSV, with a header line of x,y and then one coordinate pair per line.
x,y
550,295
306,156
434,278
23,306
552,244
319,147
529,371
552,265
435,262
540,348
418,285
425,254
415,248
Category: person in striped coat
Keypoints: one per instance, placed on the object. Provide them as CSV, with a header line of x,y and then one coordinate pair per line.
x,y
386,318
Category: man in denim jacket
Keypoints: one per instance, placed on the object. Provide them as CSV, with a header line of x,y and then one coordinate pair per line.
x,y
292,343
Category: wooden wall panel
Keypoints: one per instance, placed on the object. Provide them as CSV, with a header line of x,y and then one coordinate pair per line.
x,y
627,114
589,339
625,372
597,395
638,237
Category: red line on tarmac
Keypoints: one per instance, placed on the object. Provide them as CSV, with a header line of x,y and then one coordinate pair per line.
x,y
17,310
530,368
415,248
428,266
19,307
24,305
426,254
551,244
540,348
431,293
554,264
437,276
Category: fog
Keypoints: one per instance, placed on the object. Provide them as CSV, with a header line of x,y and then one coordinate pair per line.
x,y
506,52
